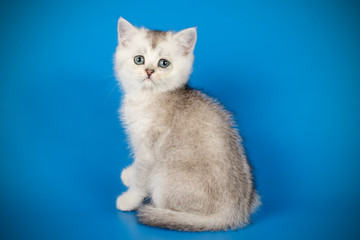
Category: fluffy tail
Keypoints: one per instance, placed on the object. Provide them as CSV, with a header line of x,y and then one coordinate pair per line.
x,y
256,202
182,221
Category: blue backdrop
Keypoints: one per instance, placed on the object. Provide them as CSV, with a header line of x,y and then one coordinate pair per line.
x,y
289,70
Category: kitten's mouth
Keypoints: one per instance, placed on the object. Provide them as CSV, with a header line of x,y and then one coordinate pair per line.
x,y
148,79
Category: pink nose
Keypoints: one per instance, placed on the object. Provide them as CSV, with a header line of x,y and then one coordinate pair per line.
x,y
149,72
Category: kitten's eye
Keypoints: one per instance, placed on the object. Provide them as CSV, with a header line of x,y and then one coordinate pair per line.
x,y
139,60
163,63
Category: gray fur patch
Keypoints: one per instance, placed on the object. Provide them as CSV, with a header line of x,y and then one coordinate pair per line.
x,y
156,36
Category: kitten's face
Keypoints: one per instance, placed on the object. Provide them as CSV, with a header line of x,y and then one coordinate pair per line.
x,y
153,60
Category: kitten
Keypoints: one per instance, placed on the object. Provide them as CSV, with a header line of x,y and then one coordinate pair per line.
x,y
188,158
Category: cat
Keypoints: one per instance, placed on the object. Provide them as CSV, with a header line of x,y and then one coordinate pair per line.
x,y
188,158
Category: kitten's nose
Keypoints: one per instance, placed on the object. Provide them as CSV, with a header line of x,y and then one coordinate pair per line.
x,y
149,72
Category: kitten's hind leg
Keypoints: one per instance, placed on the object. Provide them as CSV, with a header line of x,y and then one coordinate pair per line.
x,y
126,175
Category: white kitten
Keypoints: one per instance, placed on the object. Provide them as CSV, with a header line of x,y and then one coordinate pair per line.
x,y
188,158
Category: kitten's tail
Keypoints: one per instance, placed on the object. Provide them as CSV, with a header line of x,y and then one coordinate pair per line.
x,y
182,221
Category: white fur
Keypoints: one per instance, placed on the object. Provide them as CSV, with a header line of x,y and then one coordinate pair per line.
x,y
126,175
176,48
130,200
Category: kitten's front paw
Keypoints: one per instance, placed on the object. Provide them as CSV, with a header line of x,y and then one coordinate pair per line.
x,y
128,201
126,176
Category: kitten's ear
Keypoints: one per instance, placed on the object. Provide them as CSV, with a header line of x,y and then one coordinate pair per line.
x,y
125,31
187,39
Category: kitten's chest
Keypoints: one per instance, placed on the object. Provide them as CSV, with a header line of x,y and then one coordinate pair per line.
x,y
139,115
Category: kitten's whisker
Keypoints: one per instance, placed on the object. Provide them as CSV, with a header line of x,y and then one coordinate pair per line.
x,y
107,97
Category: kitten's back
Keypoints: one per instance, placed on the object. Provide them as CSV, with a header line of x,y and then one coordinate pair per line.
x,y
203,181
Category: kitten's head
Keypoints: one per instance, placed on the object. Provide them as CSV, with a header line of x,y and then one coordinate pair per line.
x,y
153,60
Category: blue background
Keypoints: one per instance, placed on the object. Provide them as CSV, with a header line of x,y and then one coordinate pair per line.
x,y
289,70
